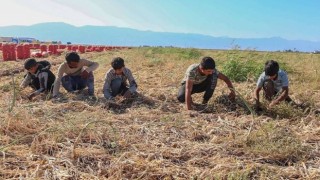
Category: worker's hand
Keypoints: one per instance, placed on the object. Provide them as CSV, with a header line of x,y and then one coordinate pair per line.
x,y
84,74
257,107
272,104
127,94
190,108
232,96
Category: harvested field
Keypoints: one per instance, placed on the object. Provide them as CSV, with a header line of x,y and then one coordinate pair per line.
x,y
152,136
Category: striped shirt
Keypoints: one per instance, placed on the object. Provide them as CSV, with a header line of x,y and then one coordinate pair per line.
x,y
111,75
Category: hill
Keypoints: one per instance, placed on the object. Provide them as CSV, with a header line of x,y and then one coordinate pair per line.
x,y
108,35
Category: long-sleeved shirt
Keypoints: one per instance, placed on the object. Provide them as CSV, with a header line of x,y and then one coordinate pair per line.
x,y
65,69
43,80
111,75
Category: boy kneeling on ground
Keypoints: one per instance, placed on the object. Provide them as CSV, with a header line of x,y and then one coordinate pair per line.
x,y
39,77
75,74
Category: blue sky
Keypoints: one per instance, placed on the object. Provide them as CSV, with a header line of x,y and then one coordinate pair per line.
x,y
289,19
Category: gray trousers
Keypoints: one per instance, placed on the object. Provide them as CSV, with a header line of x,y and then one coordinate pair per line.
x,y
118,87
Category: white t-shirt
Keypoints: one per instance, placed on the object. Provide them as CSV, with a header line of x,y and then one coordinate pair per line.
x,y
281,81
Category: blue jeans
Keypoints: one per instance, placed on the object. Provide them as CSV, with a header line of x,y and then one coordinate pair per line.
x,y
73,83
117,87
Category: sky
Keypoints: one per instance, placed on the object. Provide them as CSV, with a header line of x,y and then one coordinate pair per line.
x,y
289,19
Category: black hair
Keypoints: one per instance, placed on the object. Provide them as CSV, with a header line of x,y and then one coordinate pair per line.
x,y
72,57
271,68
207,63
29,63
117,63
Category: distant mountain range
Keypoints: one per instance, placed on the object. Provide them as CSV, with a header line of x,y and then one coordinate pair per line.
x,y
108,35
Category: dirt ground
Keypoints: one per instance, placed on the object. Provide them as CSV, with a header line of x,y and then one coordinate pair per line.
x,y
152,136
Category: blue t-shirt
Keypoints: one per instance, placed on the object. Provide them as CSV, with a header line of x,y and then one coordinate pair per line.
x,y
281,81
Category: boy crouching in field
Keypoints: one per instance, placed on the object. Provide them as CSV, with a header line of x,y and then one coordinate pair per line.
x,y
275,85
39,77
75,74
116,81
202,78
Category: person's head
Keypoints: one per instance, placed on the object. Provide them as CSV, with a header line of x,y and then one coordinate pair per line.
x,y
207,66
118,65
72,59
271,69
31,65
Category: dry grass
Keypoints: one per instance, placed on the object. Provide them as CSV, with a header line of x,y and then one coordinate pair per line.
x,y
153,136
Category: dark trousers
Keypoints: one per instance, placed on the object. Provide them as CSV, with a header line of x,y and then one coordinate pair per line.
x,y
208,86
73,83
35,85
270,91
118,87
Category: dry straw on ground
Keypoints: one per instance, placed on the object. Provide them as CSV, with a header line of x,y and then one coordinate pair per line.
x,y
152,136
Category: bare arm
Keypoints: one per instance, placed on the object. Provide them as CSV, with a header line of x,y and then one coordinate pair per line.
x,y
57,82
189,85
229,84
283,95
91,66
26,81
257,96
